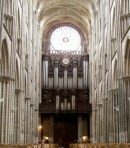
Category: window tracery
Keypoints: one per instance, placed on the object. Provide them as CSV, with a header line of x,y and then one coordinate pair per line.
x,y
65,39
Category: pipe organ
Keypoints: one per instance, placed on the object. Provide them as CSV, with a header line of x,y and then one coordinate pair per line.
x,y
65,97
65,84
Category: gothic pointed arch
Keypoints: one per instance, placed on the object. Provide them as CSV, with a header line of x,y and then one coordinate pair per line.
x,y
5,58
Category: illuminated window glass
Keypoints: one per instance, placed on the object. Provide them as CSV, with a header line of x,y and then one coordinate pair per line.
x,y
65,38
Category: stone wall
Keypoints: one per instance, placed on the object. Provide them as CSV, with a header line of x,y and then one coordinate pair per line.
x,y
20,63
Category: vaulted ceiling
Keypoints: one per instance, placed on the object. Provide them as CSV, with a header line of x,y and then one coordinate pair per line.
x,y
55,12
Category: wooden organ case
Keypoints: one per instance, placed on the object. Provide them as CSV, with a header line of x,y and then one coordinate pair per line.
x,y
65,108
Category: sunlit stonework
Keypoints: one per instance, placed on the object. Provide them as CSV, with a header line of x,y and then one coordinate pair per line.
x,y
65,73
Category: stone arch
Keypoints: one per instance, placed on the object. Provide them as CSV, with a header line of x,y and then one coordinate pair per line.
x,y
127,59
5,58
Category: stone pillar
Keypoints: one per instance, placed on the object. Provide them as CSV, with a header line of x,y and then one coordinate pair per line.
x,y
75,74
56,82
93,138
31,122
0,107
65,78
105,132
13,110
18,108
45,59
122,112
98,124
28,133
110,115
7,113
10,134
3,114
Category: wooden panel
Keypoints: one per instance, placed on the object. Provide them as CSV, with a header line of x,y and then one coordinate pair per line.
x,y
65,129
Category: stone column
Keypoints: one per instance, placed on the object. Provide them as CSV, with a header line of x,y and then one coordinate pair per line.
x,y
1,86
26,121
13,111
28,140
3,114
93,138
7,113
75,74
98,124
19,117
31,122
110,117
56,83
122,112
105,132
10,134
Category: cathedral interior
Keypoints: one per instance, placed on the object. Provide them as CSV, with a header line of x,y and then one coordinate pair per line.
x,y
64,71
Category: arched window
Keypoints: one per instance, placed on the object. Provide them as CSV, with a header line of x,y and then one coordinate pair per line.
x,y
127,59
65,39
5,59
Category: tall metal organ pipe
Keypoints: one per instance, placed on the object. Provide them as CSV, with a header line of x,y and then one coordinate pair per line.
x,y
74,74
85,71
56,82
45,59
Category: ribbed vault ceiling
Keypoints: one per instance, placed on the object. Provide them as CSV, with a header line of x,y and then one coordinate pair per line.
x,y
54,12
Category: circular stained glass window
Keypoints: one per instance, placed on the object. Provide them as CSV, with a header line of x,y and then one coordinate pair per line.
x,y
65,38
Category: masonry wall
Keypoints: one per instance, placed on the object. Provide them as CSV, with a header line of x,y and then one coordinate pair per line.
x,y
109,71
20,65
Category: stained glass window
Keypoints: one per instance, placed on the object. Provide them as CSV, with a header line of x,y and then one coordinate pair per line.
x,y
65,38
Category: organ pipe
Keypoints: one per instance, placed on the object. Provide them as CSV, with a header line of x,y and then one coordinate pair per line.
x,y
65,79
56,83
74,74
85,71
45,71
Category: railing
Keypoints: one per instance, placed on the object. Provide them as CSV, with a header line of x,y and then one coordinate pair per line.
x,y
51,108
96,145
105,145
29,146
